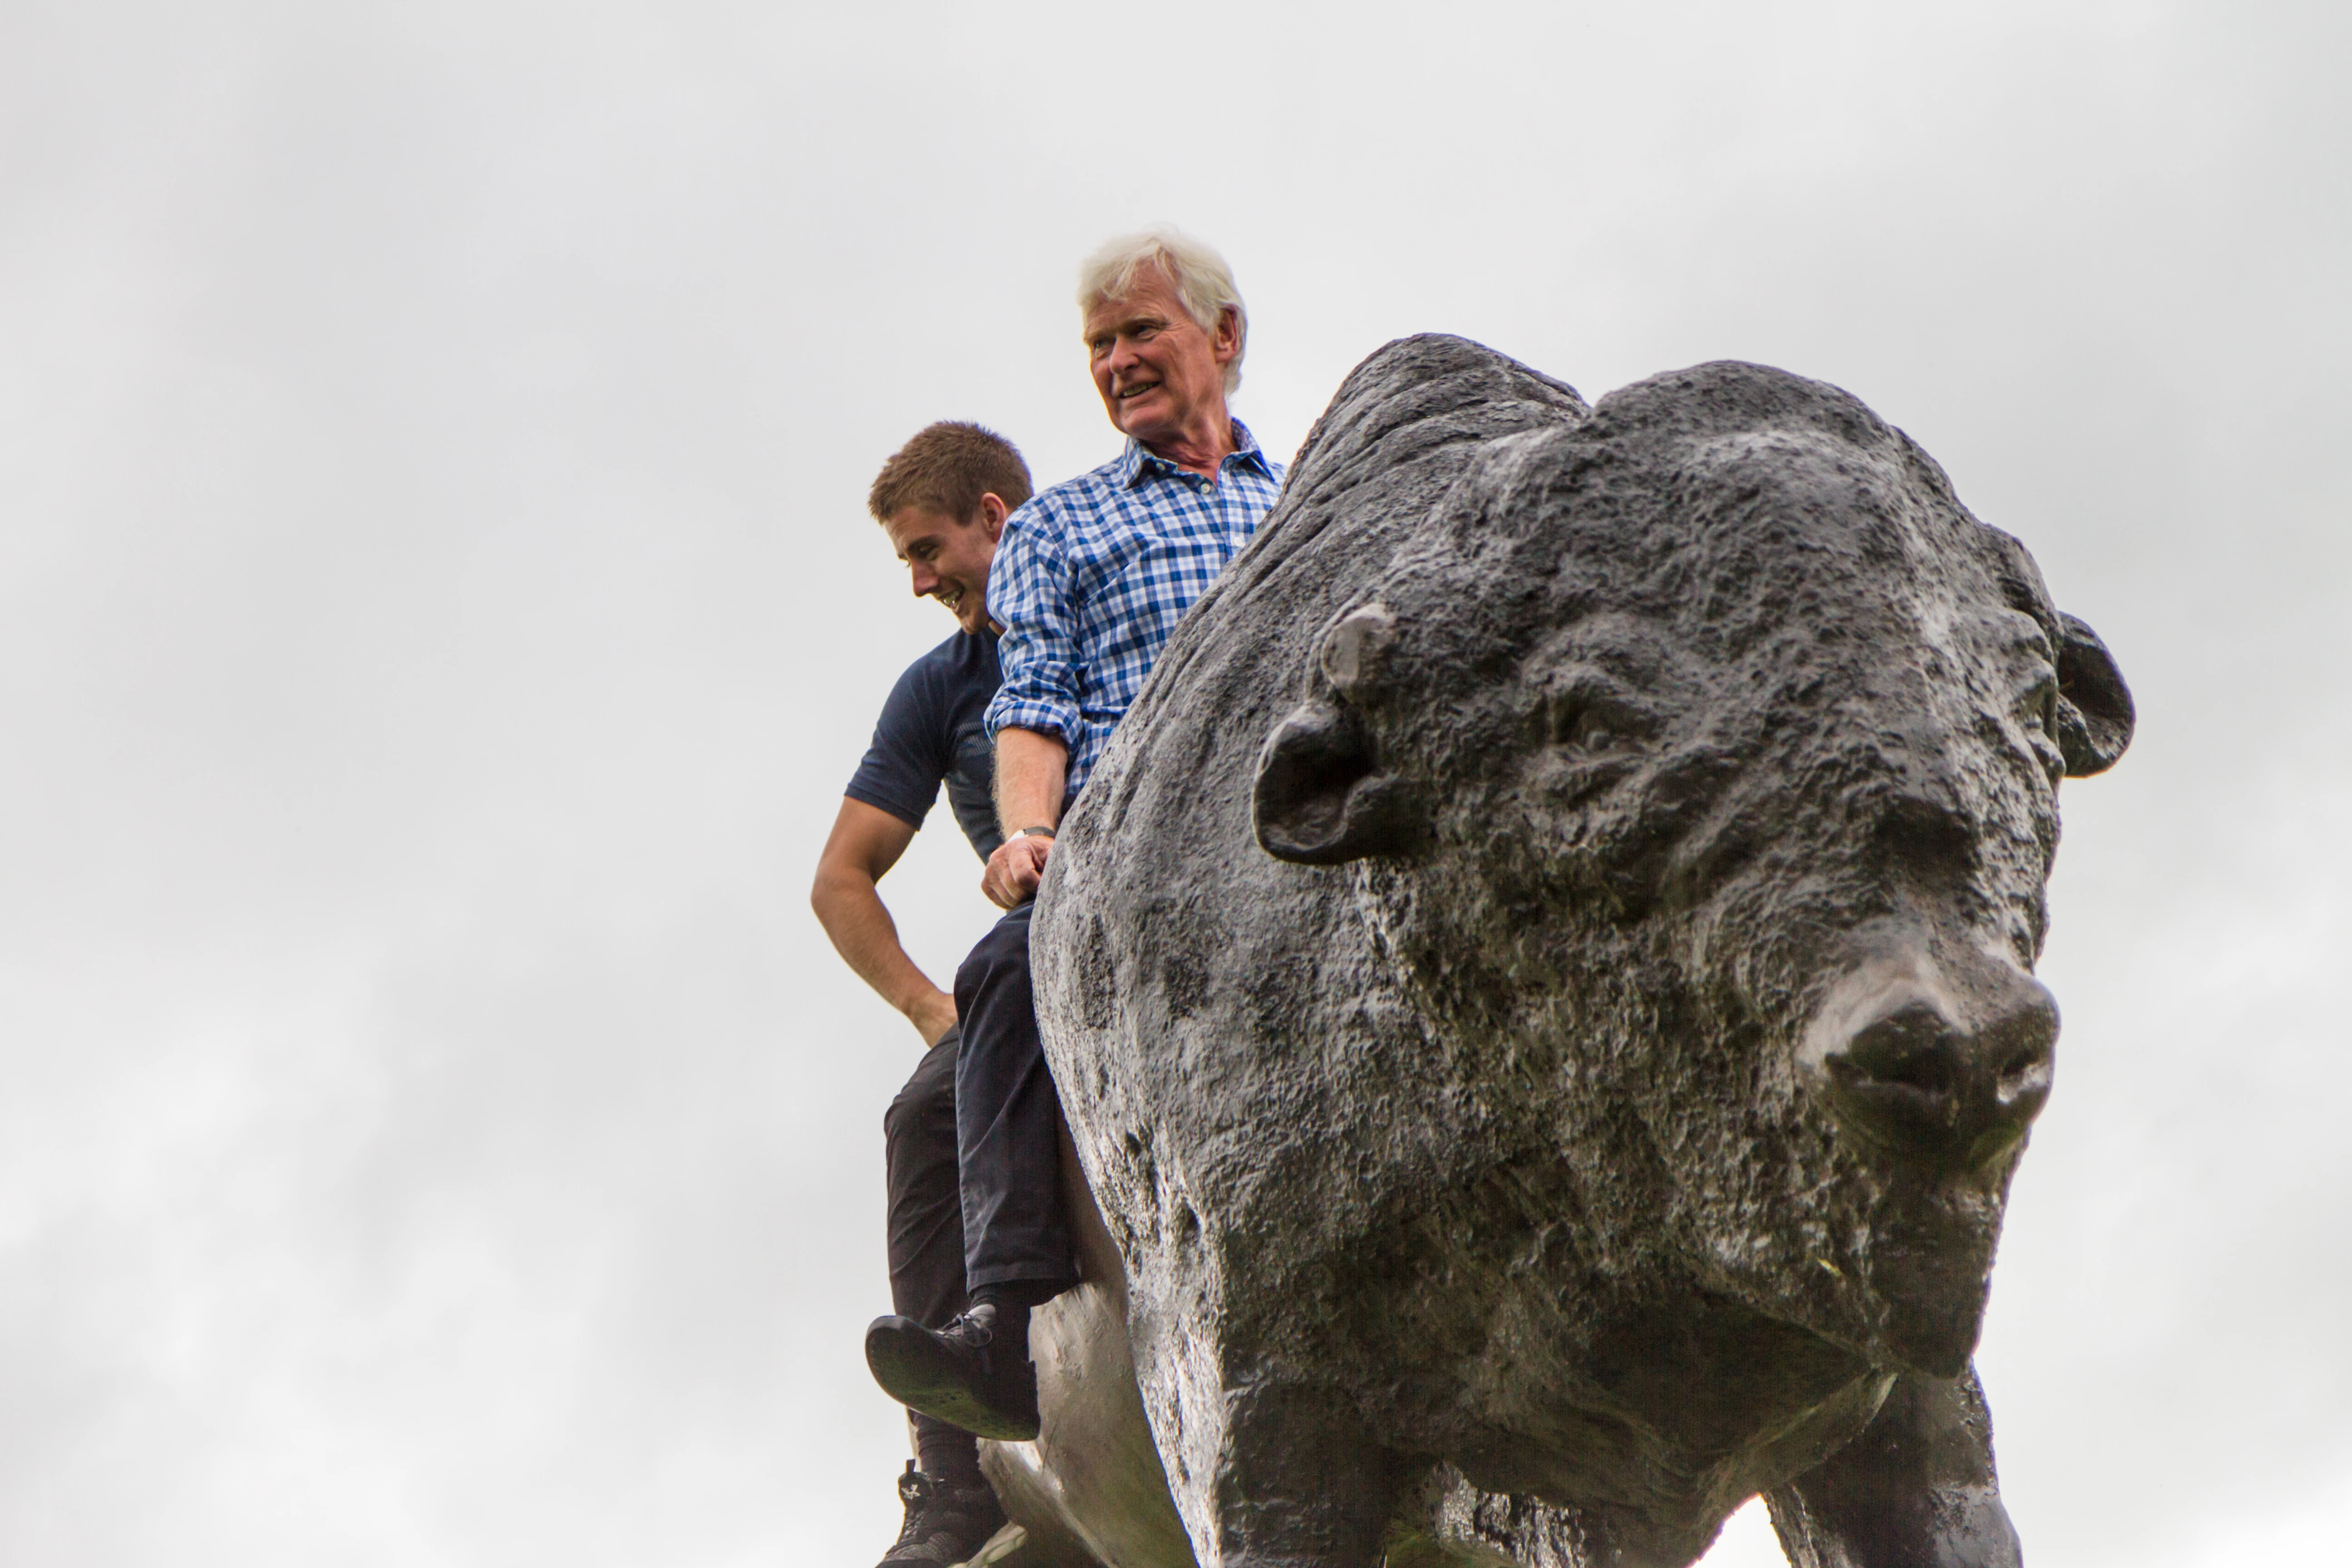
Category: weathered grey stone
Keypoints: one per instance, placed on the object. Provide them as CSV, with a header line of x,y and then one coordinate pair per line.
x,y
1090,1490
1542,989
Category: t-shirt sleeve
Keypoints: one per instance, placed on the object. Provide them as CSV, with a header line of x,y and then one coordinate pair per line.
x,y
903,767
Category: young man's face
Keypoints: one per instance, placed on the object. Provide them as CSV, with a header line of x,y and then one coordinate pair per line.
x,y
948,560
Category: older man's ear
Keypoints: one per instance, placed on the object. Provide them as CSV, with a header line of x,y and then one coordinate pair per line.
x,y
1227,342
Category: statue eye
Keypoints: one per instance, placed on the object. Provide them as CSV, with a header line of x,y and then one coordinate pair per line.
x,y
1598,726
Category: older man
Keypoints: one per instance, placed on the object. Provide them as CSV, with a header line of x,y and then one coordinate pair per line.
x,y
1090,579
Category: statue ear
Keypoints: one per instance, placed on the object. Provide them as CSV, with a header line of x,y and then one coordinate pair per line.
x,y
2095,707
1320,799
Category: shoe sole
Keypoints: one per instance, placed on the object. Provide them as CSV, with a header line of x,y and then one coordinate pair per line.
x,y
915,1374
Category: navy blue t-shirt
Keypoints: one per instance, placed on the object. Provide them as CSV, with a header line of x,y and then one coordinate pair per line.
x,y
929,733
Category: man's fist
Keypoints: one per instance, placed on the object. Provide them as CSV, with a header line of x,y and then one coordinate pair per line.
x,y
1014,870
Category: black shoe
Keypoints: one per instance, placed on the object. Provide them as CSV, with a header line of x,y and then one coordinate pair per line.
x,y
958,1374
945,1524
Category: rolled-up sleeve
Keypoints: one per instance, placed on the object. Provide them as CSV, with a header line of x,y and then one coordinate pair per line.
x,y
1029,596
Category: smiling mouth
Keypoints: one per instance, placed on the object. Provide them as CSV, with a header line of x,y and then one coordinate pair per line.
x,y
1138,390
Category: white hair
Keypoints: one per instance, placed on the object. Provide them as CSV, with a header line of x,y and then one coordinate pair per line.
x,y
1198,275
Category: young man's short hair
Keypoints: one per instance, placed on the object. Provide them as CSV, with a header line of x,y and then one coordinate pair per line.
x,y
947,468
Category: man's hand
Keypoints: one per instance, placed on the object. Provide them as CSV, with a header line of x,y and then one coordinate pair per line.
x,y
1030,768
1014,870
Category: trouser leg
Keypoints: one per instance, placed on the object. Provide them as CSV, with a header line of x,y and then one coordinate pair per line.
x,y
1007,1124
926,1240
926,1230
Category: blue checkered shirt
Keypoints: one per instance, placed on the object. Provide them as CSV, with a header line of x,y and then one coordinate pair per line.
x,y
1093,575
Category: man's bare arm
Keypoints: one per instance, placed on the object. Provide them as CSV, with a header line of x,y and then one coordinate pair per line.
x,y
1031,768
866,841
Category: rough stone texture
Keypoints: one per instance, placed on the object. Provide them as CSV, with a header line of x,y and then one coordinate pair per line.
x,y
1541,982
1090,1490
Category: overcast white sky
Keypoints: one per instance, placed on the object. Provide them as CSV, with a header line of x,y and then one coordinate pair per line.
x,y
437,617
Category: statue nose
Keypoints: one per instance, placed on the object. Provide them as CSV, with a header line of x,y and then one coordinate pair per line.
x,y
1934,1079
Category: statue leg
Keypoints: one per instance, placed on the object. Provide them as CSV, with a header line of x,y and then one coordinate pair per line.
x,y
1916,1489
1299,1483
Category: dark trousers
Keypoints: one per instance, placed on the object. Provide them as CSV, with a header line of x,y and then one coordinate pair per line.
x,y
926,1240
1008,1122
918,1140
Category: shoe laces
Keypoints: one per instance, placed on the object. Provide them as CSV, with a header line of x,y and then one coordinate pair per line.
x,y
976,1328
915,1489
945,1522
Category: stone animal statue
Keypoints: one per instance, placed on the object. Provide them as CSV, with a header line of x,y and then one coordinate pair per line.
x,y
1542,989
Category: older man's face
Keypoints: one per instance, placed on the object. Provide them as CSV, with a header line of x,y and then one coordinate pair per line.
x,y
1160,376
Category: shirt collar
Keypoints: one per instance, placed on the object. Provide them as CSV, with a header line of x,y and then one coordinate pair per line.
x,y
1136,463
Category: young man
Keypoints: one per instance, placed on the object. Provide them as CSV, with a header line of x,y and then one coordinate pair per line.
x,y
1094,575
943,500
